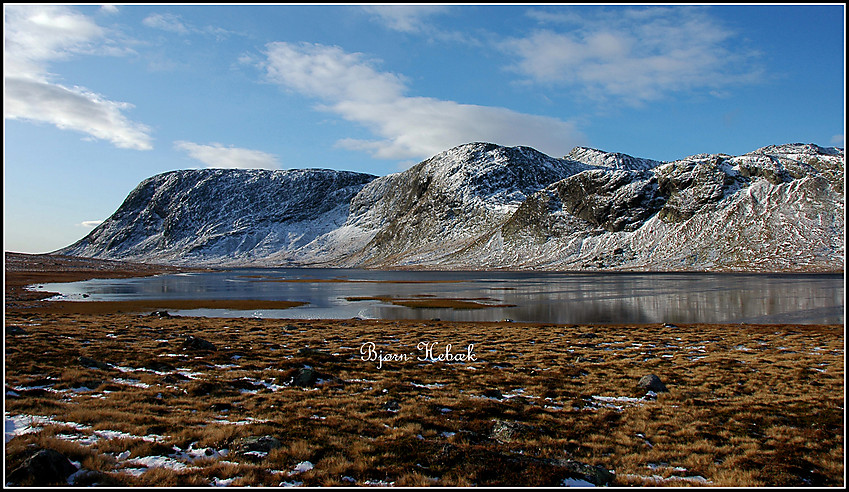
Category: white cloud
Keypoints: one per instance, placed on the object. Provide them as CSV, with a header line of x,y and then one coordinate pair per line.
x,y
166,22
37,35
74,109
404,18
90,223
174,23
109,8
416,19
218,156
839,140
632,55
407,127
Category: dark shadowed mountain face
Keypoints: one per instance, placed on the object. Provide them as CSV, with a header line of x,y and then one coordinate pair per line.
x,y
480,205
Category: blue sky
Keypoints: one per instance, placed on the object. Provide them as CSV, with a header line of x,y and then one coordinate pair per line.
x,y
98,98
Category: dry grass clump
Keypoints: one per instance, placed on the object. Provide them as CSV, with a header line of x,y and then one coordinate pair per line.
x,y
746,406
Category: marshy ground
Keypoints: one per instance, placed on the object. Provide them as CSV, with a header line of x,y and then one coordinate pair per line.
x,y
139,399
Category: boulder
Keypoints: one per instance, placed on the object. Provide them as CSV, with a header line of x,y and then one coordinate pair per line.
x,y
510,431
651,382
195,343
306,376
493,393
256,444
594,474
45,467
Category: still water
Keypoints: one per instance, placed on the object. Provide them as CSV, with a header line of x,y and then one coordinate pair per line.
x,y
532,296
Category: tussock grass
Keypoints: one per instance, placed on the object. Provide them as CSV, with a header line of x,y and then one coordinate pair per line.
x,y
747,405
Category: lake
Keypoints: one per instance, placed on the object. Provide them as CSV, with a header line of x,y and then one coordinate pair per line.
x,y
544,297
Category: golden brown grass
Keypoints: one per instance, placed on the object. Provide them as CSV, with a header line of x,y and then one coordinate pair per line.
x,y
747,405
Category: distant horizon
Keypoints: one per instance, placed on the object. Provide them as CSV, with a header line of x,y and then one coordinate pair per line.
x,y
99,98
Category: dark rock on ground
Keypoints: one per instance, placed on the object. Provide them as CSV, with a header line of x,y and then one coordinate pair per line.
x,y
91,363
652,383
245,384
195,343
220,407
493,393
45,467
306,376
159,366
256,444
509,431
392,406
596,475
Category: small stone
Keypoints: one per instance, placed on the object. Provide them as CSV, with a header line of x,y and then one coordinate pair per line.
x,y
392,406
493,393
508,431
256,444
305,377
91,363
652,383
195,343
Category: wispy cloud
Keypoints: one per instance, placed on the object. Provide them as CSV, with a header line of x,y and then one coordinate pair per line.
x,y
407,127
34,37
166,22
420,20
174,23
219,156
405,18
90,223
839,140
632,55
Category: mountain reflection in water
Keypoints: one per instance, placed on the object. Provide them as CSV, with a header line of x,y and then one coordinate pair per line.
x,y
544,297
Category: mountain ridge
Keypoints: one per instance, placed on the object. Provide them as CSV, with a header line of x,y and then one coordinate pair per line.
x,y
485,206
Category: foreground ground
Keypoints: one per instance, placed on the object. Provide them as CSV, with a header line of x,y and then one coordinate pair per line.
x,y
141,399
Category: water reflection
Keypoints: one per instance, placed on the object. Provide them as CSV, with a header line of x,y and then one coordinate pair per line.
x,y
538,297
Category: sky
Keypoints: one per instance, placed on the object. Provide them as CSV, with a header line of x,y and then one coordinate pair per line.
x,y
98,98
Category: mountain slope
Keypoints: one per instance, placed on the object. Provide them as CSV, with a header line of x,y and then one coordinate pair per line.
x,y
226,216
780,208
479,205
419,215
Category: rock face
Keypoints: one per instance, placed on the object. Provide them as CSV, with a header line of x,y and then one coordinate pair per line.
x,y
481,206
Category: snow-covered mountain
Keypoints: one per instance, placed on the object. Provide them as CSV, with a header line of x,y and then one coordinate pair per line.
x,y
225,217
479,205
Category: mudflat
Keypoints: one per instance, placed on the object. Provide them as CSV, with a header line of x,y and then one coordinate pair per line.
x,y
135,398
